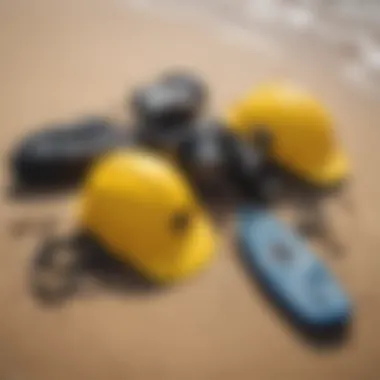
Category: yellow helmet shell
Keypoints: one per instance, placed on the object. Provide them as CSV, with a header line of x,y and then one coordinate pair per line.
x,y
142,209
304,139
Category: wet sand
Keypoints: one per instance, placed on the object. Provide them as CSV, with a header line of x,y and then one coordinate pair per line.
x,y
63,59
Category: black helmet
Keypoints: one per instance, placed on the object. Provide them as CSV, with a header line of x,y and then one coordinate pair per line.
x,y
162,106
192,83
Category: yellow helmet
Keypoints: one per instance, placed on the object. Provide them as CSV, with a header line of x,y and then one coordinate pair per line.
x,y
142,210
303,136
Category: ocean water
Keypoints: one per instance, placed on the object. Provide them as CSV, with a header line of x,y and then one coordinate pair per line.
x,y
350,29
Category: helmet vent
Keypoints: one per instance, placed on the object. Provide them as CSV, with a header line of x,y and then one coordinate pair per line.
x,y
180,221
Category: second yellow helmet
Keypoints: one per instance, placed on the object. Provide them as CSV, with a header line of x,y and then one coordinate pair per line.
x,y
304,141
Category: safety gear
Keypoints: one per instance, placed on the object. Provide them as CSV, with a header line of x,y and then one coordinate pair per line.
x,y
303,136
142,209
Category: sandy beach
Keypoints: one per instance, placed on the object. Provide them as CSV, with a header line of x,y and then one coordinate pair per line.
x,y
62,59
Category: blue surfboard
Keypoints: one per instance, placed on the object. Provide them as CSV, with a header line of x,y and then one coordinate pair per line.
x,y
290,270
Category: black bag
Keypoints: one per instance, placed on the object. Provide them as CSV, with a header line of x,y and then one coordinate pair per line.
x,y
62,154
